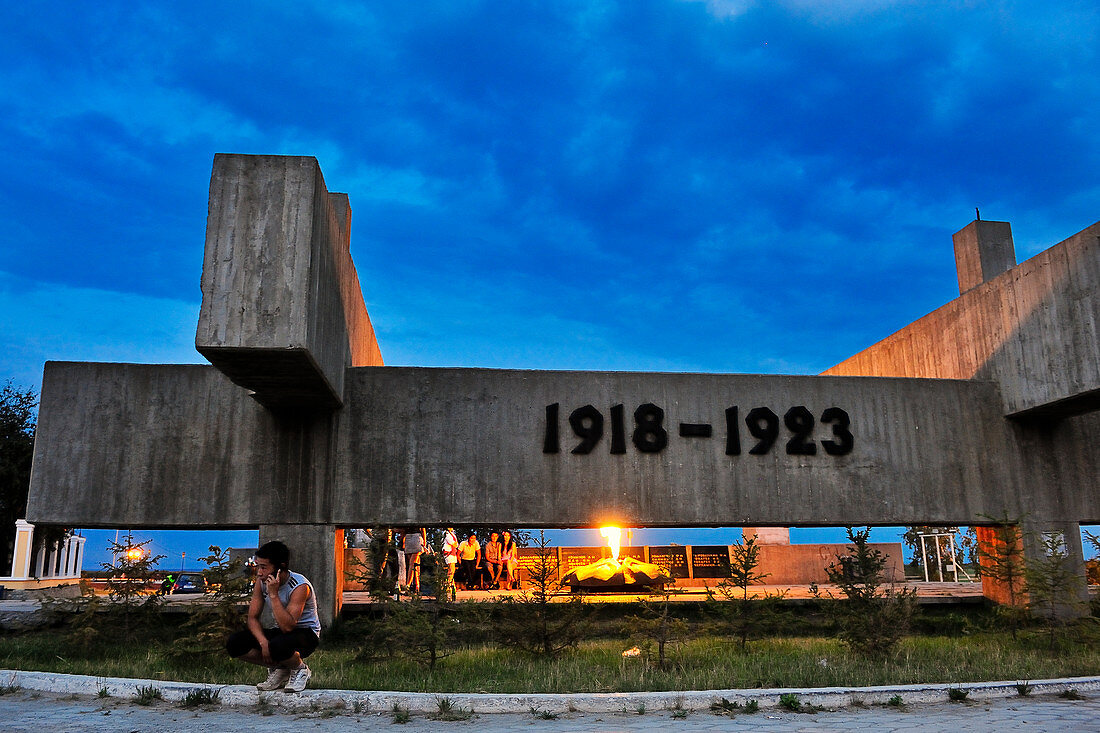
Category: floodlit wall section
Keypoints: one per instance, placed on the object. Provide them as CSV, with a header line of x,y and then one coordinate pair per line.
x,y
177,446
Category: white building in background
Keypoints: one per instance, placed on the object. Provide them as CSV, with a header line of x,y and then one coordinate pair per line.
x,y
57,564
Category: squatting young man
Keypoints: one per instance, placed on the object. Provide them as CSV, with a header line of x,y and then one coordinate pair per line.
x,y
293,604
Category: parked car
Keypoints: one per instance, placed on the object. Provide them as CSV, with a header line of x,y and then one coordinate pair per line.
x,y
189,583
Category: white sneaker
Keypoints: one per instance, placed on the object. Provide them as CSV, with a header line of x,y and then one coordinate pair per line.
x,y
276,678
298,679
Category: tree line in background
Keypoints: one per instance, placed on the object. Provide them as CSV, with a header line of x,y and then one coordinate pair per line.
x,y
17,425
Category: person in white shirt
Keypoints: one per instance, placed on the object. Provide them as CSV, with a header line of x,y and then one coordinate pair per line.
x,y
290,598
450,558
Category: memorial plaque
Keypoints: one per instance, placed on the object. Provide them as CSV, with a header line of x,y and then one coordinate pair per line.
x,y
672,559
528,558
575,557
710,561
638,553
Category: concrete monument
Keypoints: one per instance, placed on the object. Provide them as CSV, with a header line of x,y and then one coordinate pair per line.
x,y
985,408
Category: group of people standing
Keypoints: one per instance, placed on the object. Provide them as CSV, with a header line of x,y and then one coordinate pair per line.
x,y
410,544
491,565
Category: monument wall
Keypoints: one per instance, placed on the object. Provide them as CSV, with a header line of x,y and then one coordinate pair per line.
x,y
984,409
177,446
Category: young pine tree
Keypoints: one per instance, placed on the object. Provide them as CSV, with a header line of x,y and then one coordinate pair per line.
x,y
874,615
736,609
533,621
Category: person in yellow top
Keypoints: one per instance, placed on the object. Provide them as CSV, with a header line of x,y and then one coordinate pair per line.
x,y
469,553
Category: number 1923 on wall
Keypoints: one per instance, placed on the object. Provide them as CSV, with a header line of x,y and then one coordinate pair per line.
x,y
651,436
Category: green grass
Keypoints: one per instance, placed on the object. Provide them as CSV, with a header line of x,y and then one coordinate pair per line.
x,y
596,666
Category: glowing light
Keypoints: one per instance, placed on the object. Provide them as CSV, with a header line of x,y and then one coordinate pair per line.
x,y
134,554
612,534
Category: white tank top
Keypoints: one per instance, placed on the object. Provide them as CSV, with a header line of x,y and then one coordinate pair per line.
x,y
309,618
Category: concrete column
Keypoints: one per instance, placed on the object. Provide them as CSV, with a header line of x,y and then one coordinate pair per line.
x,y
316,551
1030,541
24,544
983,250
1034,535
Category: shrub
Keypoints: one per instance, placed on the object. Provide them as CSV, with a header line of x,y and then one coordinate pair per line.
x,y
742,615
790,701
208,624
1053,584
873,618
531,621
655,625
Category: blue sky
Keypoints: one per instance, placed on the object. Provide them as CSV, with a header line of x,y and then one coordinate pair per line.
x,y
723,186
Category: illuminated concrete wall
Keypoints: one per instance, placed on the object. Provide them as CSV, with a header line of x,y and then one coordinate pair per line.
x,y
431,446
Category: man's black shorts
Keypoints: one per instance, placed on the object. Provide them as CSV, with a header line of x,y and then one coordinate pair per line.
x,y
282,646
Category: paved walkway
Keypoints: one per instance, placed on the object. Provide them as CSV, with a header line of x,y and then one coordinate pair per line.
x,y
22,710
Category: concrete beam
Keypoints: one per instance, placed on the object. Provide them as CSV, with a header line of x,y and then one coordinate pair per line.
x,y
180,446
282,313
1034,330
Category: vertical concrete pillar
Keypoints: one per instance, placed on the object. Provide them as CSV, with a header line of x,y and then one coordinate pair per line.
x,y
983,250
1069,535
24,544
317,552
1026,548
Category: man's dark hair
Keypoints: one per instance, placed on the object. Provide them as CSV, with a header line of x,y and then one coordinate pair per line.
x,y
276,552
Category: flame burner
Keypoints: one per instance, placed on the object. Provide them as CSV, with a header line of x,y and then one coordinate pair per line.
x,y
609,575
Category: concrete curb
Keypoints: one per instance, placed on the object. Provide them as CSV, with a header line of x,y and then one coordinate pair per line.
x,y
616,702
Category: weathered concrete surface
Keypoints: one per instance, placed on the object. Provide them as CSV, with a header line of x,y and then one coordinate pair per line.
x,y
282,310
1034,330
128,445
983,250
316,551
609,703
174,446
465,445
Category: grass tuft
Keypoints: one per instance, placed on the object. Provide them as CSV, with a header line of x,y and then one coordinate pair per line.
x,y
1023,689
204,696
790,701
1071,694
400,714
446,710
543,714
896,702
147,695
954,694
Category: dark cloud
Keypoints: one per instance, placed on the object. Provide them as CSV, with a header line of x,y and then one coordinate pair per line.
x,y
602,185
